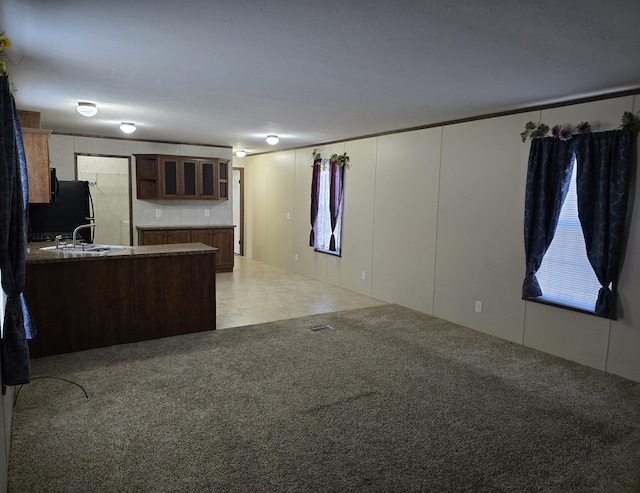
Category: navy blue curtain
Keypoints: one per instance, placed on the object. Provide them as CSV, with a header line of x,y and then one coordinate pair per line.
x,y
14,350
604,169
548,177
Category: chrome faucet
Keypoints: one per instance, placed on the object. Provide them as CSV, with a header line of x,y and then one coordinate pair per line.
x,y
58,243
75,232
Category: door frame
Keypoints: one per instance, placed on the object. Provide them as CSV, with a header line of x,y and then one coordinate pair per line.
x,y
241,171
128,158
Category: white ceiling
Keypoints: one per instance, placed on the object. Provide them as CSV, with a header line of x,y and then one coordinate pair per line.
x,y
229,72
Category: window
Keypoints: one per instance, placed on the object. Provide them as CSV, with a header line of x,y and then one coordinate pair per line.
x,y
326,207
566,276
590,171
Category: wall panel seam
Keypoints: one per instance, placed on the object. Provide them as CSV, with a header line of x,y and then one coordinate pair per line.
x,y
435,253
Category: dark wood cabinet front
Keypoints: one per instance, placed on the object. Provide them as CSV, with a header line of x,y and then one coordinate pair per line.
x,y
202,236
223,240
178,236
170,184
208,179
153,237
223,180
147,177
181,178
220,237
121,300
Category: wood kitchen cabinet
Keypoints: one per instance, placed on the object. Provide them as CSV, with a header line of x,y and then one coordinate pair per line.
x,y
36,149
147,177
223,180
162,177
220,237
202,236
223,240
179,236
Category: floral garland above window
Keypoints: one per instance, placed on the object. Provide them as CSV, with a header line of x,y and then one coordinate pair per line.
x,y
532,130
341,159
5,42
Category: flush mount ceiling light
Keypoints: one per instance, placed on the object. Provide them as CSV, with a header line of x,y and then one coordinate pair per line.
x,y
272,139
128,127
87,109
241,153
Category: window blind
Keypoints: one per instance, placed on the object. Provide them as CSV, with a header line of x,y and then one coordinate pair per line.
x,y
566,276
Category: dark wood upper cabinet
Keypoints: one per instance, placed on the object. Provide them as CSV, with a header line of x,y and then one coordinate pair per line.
x,y
208,169
190,180
181,178
170,178
223,180
147,177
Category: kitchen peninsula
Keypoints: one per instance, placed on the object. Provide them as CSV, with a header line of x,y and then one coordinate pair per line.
x,y
86,301
220,237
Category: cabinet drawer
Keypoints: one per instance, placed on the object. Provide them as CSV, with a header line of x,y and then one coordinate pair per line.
x,y
152,237
178,236
202,236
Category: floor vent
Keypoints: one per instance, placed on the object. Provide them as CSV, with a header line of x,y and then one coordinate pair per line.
x,y
322,327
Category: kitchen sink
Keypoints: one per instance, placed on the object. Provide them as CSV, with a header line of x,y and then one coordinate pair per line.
x,y
86,248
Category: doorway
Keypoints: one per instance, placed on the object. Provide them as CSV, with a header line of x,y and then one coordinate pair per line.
x,y
238,211
109,180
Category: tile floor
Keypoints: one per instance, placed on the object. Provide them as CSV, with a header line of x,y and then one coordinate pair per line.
x,y
256,292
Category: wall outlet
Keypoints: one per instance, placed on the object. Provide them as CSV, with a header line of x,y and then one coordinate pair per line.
x,y
478,306
288,215
364,275
206,213
158,212
296,257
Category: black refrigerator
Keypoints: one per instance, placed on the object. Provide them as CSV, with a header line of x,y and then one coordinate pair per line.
x,y
72,207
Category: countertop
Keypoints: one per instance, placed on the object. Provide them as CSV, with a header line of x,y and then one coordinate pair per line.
x,y
210,226
37,256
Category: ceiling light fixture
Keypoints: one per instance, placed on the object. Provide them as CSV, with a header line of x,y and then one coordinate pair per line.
x,y
87,109
241,153
128,127
272,139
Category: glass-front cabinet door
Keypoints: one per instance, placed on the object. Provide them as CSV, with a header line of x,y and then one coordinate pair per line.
x,y
223,180
170,172
208,178
190,179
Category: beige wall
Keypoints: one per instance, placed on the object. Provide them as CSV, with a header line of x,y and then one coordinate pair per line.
x,y
280,182
255,197
480,252
62,150
434,218
405,219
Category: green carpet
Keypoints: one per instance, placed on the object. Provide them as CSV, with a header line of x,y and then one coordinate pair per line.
x,y
389,400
